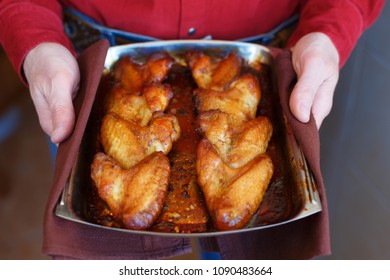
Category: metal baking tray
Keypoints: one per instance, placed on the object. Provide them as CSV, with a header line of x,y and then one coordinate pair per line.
x,y
301,193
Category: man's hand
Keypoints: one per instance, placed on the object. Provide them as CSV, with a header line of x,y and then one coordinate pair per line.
x,y
316,62
53,77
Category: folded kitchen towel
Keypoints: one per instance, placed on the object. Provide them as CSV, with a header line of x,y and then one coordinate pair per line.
x,y
64,239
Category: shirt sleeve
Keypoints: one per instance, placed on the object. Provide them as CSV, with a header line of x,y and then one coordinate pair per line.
x,y
343,21
25,24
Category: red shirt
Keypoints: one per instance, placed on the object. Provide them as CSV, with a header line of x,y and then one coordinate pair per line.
x,y
24,24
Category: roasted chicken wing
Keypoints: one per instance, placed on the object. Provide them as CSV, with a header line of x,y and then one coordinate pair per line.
x,y
134,76
129,143
135,196
138,108
232,195
236,142
216,75
240,100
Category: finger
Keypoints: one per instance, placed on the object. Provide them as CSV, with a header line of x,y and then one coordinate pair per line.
x,y
305,90
323,100
63,122
42,108
61,108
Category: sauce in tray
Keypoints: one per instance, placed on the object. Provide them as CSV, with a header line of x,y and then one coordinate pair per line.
x,y
185,209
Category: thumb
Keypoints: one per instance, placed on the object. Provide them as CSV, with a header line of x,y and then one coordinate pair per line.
x,y
63,122
53,76
305,90
316,63
62,111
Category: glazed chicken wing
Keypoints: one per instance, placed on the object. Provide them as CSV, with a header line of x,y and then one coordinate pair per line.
x,y
240,100
236,142
232,195
129,143
138,108
135,196
216,75
134,75
157,96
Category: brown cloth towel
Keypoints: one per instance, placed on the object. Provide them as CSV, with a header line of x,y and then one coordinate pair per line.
x,y
302,239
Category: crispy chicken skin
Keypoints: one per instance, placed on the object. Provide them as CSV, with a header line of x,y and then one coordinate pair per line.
x,y
138,108
240,99
154,174
129,143
232,167
236,142
157,96
214,75
134,75
135,196
232,195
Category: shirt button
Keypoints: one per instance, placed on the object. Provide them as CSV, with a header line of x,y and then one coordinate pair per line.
x,y
191,31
